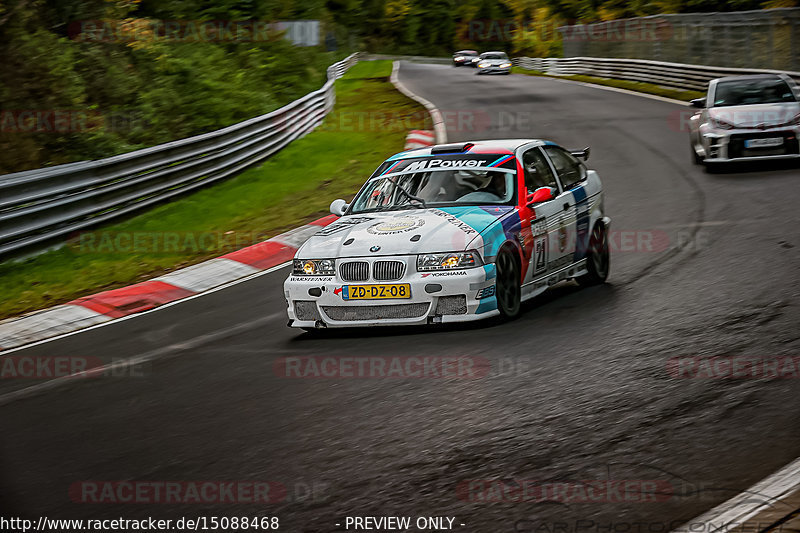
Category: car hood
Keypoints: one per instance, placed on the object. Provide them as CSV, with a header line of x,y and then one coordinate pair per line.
x,y
405,232
757,115
495,62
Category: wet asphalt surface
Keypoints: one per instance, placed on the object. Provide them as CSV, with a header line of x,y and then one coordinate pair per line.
x,y
578,388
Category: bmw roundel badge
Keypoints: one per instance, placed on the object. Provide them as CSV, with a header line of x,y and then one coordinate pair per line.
x,y
374,248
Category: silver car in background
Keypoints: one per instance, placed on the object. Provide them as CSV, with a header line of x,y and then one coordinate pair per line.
x,y
494,63
746,118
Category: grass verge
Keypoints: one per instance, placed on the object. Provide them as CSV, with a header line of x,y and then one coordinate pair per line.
x,y
636,86
369,123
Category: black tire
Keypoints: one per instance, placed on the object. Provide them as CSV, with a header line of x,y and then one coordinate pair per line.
x,y
598,258
508,290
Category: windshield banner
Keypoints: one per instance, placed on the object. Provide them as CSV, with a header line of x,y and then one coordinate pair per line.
x,y
502,162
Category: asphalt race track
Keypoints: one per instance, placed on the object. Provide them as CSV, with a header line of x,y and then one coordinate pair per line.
x,y
578,388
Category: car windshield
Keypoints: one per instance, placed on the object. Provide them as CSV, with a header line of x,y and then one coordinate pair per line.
x,y
437,188
752,91
497,55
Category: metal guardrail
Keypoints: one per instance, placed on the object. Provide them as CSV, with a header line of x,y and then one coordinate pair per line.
x,y
42,205
675,75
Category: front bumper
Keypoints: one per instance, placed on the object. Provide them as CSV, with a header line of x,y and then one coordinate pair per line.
x,y
494,70
436,297
726,146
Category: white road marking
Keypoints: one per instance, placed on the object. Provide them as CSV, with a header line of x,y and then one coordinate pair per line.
x,y
762,496
154,310
618,90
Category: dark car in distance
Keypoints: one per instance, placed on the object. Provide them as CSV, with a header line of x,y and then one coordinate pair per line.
x,y
465,57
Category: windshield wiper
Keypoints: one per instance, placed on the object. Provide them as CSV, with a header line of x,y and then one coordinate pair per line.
x,y
409,195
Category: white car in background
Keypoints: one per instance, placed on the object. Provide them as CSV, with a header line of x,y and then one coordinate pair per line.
x,y
746,118
494,63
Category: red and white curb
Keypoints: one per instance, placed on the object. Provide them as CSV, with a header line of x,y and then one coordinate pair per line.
x,y
419,139
117,303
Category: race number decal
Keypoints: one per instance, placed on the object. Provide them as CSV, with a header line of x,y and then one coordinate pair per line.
x,y
540,254
539,229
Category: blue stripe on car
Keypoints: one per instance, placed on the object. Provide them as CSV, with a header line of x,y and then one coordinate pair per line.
x,y
490,303
582,224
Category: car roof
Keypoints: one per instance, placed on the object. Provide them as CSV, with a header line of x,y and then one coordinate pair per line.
x,y
492,146
465,52
765,76
494,52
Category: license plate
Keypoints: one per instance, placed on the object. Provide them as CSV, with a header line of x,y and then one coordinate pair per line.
x,y
376,292
763,143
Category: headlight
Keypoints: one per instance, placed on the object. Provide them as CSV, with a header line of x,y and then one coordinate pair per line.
x,y
505,65
448,261
314,267
721,124
483,65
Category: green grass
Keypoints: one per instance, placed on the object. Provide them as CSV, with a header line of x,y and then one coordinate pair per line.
x,y
636,86
297,185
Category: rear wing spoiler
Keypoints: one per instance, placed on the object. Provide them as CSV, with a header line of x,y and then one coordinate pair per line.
x,y
583,154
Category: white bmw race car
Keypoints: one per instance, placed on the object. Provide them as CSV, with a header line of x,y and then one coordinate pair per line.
x,y
453,233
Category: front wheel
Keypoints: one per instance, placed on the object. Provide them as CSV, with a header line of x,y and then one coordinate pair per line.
x,y
508,285
598,258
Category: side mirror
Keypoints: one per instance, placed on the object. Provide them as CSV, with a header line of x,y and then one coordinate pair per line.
x,y
338,207
542,194
698,102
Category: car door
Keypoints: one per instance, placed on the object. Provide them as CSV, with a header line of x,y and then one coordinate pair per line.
x,y
573,229
545,217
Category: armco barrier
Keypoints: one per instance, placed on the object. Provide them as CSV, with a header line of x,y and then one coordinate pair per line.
x,y
43,205
676,75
